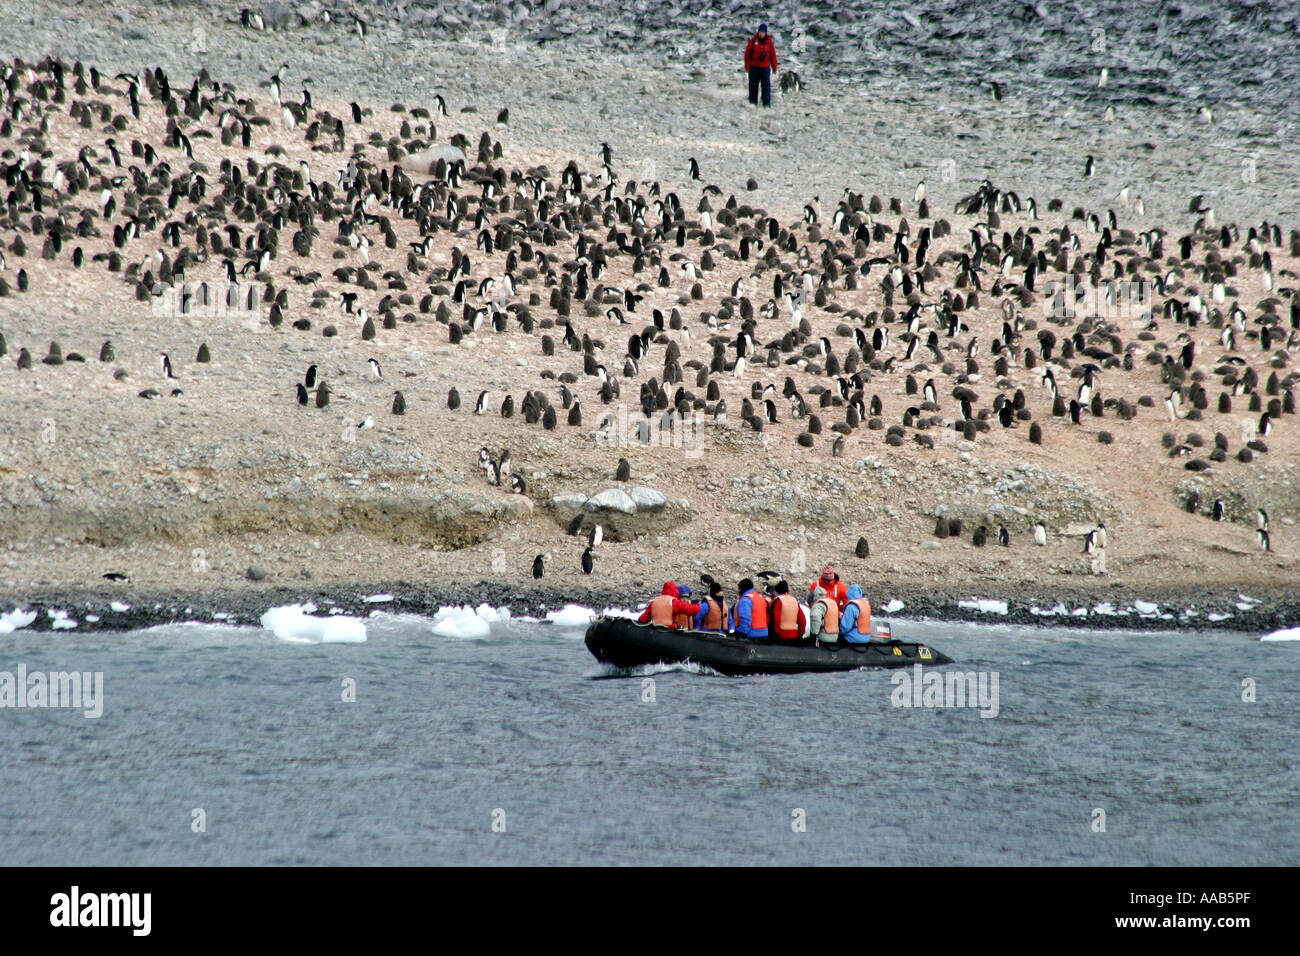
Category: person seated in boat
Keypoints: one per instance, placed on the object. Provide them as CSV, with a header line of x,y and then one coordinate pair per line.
x,y
684,621
824,617
833,585
713,611
855,622
664,609
787,614
749,616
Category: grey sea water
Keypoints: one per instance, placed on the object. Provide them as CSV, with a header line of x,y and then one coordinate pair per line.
x,y
522,728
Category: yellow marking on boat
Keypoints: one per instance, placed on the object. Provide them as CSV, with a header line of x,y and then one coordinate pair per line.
x,y
897,652
924,652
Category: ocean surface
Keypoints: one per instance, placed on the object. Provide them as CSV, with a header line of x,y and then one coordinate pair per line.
x,y
516,747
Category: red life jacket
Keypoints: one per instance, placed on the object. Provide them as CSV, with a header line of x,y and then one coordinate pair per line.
x,y
864,615
661,611
786,611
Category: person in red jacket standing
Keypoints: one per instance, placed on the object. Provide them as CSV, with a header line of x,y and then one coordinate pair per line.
x,y
664,609
760,61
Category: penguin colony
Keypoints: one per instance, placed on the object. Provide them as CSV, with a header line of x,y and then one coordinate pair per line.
x,y
851,326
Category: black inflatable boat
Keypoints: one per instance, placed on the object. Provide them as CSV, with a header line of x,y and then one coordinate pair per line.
x,y
625,643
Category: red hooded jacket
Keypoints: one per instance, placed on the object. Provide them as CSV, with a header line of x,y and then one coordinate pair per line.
x,y
760,51
678,607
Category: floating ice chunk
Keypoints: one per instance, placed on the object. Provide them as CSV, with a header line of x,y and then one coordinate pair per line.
x,y
16,619
463,622
61,621
1146,607
1290,634
119,607
293,623
894,606
985,606
571,615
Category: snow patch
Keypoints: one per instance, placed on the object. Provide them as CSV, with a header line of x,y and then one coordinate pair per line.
x,y
1217,617
294,624
1146,607
378,598
894,606
1290,634
119,607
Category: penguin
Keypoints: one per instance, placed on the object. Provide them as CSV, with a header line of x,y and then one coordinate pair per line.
x,y
310,380
166,364
1100,532
369,422
980,536
624,471
694,169
453,399
1040,534
302,394
1004,537
399,403
595,536
1261,519
539,567
575,524
375,369
1218,509
517,484
1263,539
588,561
480,406
863,550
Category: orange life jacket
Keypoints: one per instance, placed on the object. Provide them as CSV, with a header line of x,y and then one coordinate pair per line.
x,y
661,611
683,620
864,615
831,624
716,616
786,611
757,611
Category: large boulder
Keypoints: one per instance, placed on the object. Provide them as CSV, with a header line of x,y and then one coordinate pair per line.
x,y
624,515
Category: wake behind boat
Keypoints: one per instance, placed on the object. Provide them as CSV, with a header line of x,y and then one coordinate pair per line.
x,y
627,643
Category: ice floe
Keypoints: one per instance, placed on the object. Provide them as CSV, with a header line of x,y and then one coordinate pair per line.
x,y
295,624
